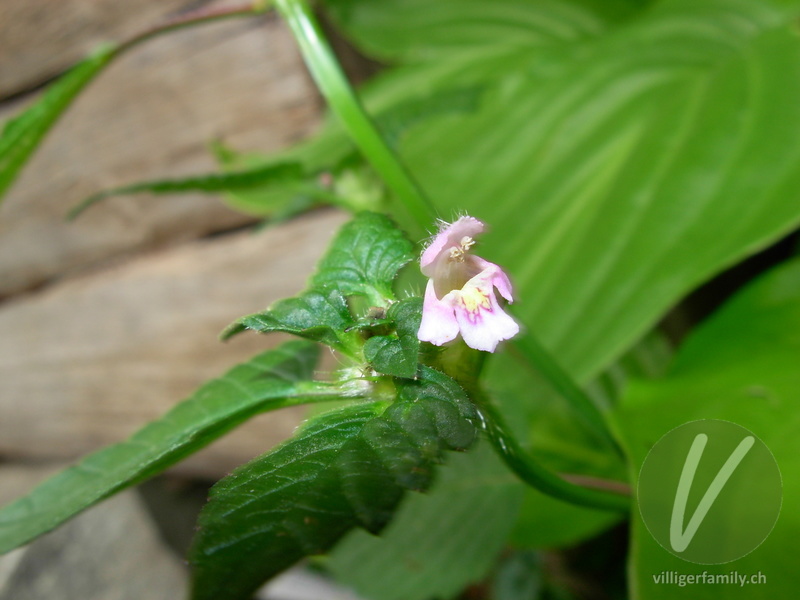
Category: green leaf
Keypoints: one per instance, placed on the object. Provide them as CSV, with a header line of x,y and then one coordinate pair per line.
x,y
741,366
22,134
416,30
397,354
439,542
271,380
330,155
615,181
364,258
398,119
322,316
278,173
519,577
562,443
344,469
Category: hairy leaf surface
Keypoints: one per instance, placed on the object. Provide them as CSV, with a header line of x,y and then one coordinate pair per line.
x,y
344,469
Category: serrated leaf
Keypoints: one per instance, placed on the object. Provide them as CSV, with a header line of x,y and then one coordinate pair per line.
x,y
22,134
271,380
439,542
615,182
344,469
364,258
676,162
397,354
322,316
273,174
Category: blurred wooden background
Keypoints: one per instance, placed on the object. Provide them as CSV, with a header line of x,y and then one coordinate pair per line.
x,y
108,321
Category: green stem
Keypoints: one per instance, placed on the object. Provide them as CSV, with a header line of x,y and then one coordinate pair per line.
x,y
344,103
342,99
538,476
196,17
545,364
465,365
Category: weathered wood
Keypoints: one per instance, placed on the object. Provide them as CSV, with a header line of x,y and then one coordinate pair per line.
x,y
151,115
41,38
110,552
86,362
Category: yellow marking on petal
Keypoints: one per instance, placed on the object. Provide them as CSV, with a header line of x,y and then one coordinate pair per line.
x,y
474,298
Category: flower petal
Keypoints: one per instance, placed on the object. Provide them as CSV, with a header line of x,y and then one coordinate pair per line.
x,y
449,237
438,325
496,275
490,327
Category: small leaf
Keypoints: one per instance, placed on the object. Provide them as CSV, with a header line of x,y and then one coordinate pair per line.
x,y
344,469
397,355
364,258
331,152
319,316
271,380
211,183
22,134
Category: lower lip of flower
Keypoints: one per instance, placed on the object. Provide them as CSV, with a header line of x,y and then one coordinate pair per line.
x,y
474,300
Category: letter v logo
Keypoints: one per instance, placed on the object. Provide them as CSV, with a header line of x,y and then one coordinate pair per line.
x,y
679,538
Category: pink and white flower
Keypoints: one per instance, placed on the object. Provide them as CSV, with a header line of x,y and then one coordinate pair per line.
x,y
460,296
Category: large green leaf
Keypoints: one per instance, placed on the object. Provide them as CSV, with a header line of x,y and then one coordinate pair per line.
x,y
439,542
614,181
418,30
740,366
271,380
345,469
22,134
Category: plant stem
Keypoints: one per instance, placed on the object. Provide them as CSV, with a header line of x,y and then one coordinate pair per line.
x,y
532,351
195,17
342,99
465,365
344,103
538,476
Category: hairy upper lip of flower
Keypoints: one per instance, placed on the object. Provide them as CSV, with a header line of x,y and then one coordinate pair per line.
x,y
460,296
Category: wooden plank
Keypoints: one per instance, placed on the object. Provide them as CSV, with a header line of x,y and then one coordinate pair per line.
x,y
41,38
86,362
151,115
112,551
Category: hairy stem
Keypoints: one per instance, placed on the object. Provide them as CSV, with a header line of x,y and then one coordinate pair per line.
x,y
344,103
